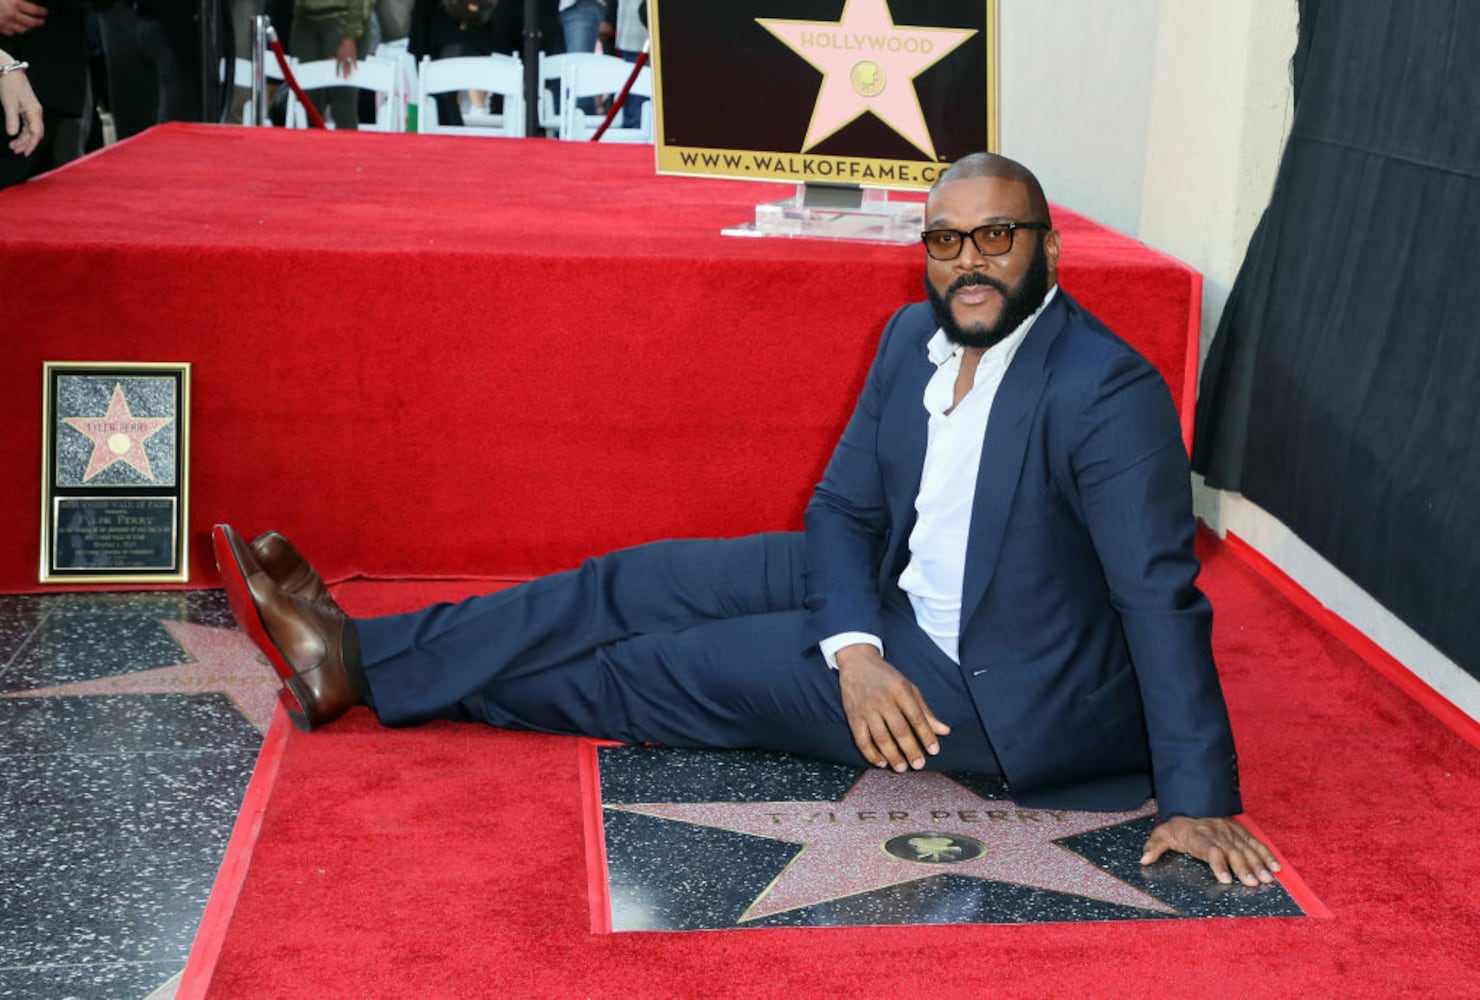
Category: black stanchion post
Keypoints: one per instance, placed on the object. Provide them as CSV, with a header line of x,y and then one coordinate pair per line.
x,y
210,60
531,67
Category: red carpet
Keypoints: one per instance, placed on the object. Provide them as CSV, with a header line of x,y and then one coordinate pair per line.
x,y
424,355
480,337
450,861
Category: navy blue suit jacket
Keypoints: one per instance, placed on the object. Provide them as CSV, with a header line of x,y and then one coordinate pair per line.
x,y
1084,638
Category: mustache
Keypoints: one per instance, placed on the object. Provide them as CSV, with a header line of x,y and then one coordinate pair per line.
x,y
975,279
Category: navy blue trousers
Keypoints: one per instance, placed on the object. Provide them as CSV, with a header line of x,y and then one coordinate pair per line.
x,y
687,643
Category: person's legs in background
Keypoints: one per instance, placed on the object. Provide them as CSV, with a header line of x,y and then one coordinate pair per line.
x,y
632,107
168,38
316,39
449,105
132,87
581,23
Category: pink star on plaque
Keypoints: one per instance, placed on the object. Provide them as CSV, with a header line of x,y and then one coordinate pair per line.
x,y
890,829
219,660
868,63
118,436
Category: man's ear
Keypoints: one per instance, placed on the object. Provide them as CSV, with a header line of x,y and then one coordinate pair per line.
x,y
1051,249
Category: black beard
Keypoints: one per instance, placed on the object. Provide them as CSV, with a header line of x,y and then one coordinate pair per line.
x,y
1018,303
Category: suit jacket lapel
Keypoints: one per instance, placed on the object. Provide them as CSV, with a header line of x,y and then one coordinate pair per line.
x,y
910,437
916,431
1003,449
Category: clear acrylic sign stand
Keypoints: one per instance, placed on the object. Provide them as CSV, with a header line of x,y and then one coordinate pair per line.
x,y
837,212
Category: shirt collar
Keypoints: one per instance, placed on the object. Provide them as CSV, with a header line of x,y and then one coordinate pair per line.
x,y
940,349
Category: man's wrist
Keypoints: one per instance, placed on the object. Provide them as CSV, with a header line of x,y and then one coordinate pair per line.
x,y
835,644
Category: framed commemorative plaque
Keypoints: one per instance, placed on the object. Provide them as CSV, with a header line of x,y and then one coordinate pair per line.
x,y
115,469
869,93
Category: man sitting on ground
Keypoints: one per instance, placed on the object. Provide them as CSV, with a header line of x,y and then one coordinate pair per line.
x,y
997,566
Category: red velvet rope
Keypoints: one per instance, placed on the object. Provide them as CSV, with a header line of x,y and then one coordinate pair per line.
x,y
315,120
611,113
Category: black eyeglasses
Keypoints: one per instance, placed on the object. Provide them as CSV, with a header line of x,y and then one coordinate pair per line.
x,y
992,240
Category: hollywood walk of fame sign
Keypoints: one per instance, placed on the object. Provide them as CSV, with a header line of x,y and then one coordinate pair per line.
x,y
871,93
114,472
702,840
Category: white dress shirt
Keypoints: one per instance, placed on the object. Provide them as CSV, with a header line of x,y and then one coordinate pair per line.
x,y
936,572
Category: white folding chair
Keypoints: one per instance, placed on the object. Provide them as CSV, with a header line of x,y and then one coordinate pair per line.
x,y
371,73
397,53
496,74
551,68
590,79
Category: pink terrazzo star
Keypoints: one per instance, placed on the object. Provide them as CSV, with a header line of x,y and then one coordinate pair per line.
x,y
216,660
868,64
118,436
891,829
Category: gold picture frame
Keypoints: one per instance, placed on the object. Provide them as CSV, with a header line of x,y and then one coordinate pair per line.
x,y
115,472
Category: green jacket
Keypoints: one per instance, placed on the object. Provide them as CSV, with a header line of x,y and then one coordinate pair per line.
x,y
351,16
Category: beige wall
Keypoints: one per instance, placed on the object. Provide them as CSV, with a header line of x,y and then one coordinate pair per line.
x,y
1165,119
1076,79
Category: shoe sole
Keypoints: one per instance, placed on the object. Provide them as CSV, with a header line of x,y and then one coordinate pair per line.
x,y
249,619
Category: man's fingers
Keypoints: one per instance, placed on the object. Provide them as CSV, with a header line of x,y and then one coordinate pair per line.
x,y
1251,861
1265,854
1250,867
865,743
883,730
903,730
1156,845
922,729
924,725
1229,850
874,740
891,724
1247,868
1218,861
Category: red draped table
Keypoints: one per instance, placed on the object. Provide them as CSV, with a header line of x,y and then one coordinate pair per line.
x,y
429,355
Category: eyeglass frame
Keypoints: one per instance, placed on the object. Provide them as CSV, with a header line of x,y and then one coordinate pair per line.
x,y
1011,227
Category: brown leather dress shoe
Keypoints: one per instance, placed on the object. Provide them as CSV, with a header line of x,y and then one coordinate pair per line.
x,y
300,637
289,570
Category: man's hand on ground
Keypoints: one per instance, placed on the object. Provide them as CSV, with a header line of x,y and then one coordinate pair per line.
x,y
891,723
1222,842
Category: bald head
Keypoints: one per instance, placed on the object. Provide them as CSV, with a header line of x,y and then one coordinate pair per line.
x,y
977,165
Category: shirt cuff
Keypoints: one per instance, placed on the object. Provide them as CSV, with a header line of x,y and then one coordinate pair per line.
x,y
833,643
